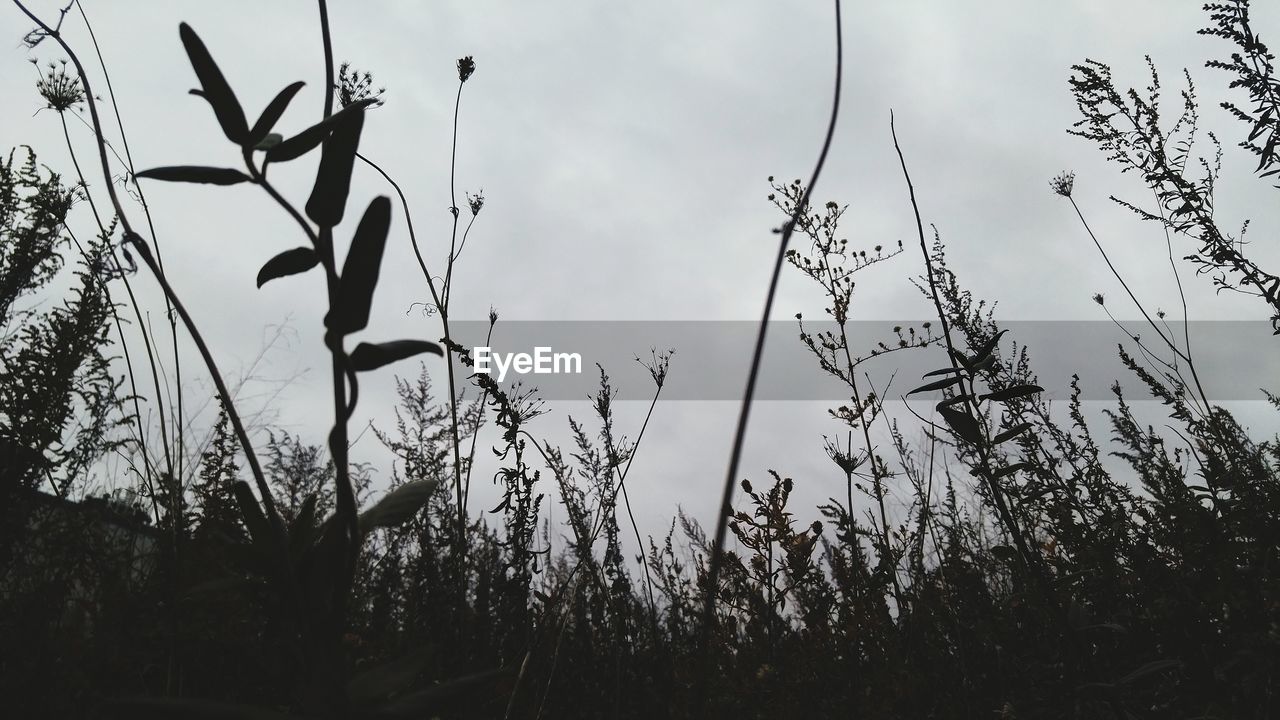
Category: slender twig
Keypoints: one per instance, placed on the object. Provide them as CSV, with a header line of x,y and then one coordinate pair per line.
x,y
133,300
408,217
178,415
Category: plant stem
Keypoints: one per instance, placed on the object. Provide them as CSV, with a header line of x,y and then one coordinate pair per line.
x,y
132,237
179,414
739,438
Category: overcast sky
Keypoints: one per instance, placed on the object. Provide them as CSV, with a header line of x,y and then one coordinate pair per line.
x,y
623,151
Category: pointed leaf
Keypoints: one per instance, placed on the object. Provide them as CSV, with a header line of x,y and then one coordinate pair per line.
x,y
269,141
271,115
215,88
937,385
985,354
307,140
302,530
195,174
289,262
370,356
328,199
1010,433
943,371
250,512
398,505
962,424
1009,393
1011,469
360,271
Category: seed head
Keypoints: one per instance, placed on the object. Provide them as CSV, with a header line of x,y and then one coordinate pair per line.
x,y
466,66
354,86
1063,183
59,89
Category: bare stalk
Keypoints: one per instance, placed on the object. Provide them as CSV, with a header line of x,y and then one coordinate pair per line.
x,y
739,438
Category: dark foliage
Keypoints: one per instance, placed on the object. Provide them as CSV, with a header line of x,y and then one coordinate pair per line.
x,y
1028,568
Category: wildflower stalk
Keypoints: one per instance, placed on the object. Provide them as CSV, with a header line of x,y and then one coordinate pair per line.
x,y
345,497
1064,185
1027,559
465,68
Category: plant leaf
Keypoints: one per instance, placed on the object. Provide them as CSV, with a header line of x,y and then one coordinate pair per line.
x,y
1011,469
271,115
1010,433
289,262
370,356
305,141
985,354
195,174
269,141
214,87
254,521
943,371
398,505
937,385
360,271
962,424
302,530
328,199
1009,393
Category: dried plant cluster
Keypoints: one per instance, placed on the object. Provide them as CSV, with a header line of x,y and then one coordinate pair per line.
x,y
983,559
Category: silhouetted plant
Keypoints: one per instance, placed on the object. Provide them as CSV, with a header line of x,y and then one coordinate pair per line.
x,y
1128,127
997,567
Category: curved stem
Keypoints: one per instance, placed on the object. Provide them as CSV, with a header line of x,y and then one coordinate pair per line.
x,y
132,237
133,301
180,417
739,438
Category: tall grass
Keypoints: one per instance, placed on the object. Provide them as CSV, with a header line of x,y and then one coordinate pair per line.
x,y
1022,575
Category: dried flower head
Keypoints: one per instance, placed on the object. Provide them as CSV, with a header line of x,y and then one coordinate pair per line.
x,y
1097,297
476,202
1063,183
658,365
354,86
466,66
60,89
